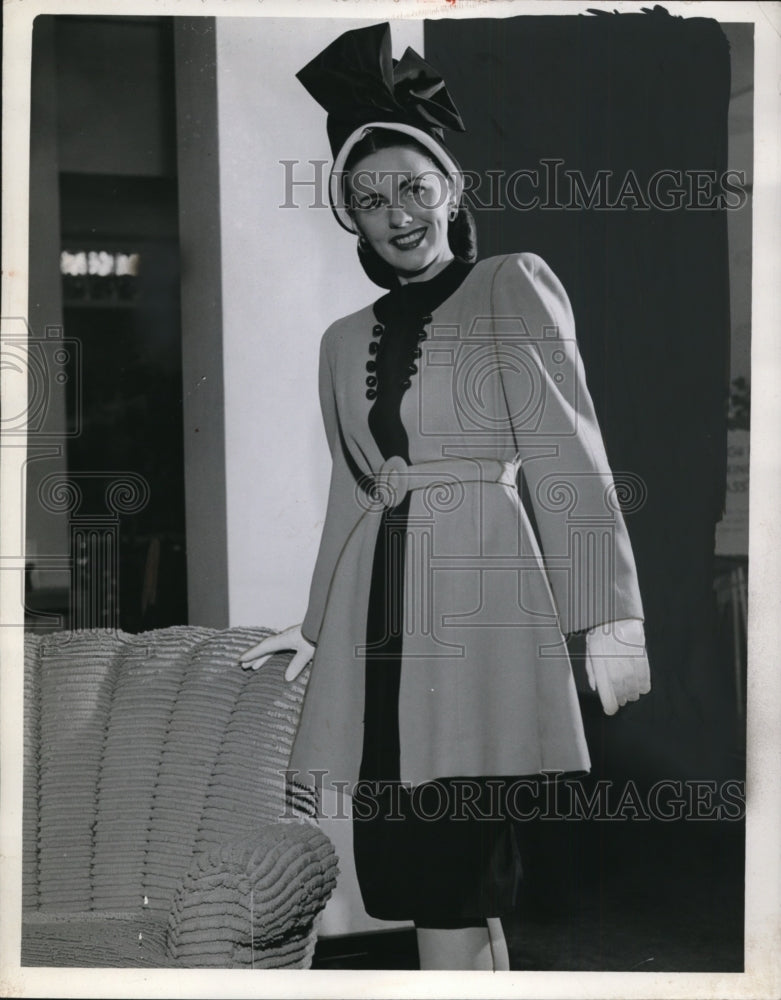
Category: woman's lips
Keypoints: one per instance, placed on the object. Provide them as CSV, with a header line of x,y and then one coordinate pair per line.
x,y
409,241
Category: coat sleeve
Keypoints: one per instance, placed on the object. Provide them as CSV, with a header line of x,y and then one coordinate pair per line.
x,y
585,544
343,510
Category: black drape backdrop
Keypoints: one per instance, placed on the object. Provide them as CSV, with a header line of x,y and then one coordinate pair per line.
x,y
631,94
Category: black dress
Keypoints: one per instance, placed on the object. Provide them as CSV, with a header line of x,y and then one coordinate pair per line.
x,y
421,854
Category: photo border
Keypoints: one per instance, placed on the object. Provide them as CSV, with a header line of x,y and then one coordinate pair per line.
x,y
762,976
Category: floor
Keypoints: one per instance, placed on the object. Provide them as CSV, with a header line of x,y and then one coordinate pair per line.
x,y
614,896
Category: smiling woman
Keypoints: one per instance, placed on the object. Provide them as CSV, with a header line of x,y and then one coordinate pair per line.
x,y
401,203
406,205
436,619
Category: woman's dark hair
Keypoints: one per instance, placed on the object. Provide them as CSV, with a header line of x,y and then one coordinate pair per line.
x,y
461,232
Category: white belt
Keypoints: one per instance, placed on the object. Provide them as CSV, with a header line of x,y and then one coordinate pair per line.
x,y
396,478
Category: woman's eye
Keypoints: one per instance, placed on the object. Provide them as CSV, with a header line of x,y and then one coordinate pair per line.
x,y
366,203
420,193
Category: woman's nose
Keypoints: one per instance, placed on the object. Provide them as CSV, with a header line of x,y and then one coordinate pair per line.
x,y
398,216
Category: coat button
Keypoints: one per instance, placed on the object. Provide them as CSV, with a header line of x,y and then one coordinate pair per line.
x,y
377,330
406,383
417,353
422,335
371,366
371,393
427,319
371,381
412,369
373,347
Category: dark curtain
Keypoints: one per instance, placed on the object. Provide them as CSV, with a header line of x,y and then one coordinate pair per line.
x,y
631,94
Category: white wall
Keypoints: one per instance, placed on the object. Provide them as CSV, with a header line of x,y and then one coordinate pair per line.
x,y
286,274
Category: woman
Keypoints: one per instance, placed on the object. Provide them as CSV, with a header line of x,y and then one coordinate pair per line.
x,y
435,621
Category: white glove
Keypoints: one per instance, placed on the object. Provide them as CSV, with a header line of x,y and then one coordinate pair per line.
x,y
289,638
617,663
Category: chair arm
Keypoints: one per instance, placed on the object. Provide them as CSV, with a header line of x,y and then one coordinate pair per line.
x,y
253,903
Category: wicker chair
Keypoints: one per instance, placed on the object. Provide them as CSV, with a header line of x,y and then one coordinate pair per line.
x,y
159,829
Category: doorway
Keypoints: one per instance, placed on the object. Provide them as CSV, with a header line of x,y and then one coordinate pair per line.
x,y
115,259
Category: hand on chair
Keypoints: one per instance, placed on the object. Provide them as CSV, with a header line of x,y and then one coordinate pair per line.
x,y
289,638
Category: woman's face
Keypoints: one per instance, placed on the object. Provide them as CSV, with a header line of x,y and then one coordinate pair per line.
x,y
400,202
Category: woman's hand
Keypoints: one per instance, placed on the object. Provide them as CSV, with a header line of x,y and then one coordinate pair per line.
x,y
617,663
290,638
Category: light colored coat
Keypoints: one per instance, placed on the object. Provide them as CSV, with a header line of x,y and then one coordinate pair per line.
x,y
486,682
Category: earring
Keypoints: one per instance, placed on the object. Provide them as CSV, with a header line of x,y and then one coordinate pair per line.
x,y
452,213
363,244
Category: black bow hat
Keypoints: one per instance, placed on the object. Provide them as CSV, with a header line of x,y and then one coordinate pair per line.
x,y
361,86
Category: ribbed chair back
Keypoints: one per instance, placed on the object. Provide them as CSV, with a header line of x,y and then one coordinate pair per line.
x,y
141,750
